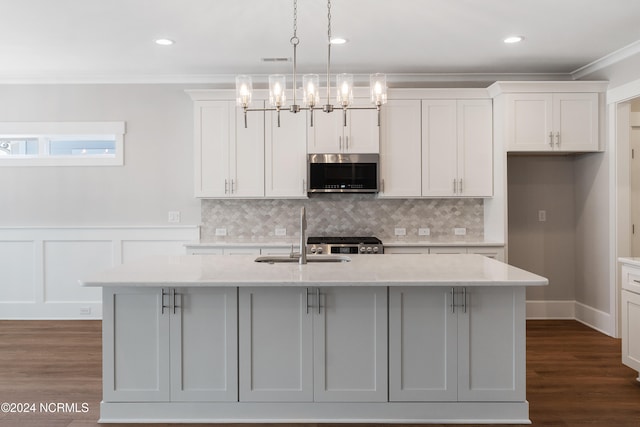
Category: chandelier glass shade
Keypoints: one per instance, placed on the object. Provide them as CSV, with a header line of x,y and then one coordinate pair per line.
x,y
311,86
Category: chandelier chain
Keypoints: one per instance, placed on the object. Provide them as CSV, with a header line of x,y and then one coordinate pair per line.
x,y
295,18
328,53
329,20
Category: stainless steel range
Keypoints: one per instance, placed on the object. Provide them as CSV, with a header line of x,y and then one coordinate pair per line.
x,y
344,245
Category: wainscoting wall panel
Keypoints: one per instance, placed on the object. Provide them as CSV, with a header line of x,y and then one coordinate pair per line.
x,y
40,266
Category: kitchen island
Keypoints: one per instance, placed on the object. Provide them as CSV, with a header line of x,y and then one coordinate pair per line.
x,y
379,339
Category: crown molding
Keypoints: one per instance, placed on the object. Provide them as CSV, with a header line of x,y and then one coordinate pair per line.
x,y
607,60
227,81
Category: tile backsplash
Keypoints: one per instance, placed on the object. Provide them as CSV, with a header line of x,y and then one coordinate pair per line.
x,y
342,215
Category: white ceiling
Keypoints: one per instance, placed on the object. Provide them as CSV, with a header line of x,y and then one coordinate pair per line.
x,y
215,39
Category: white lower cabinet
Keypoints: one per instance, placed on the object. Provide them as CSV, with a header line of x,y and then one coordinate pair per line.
x,y
630,335
169,344
456,344
313,344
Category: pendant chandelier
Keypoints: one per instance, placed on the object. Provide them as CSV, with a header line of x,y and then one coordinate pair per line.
x,y
310,85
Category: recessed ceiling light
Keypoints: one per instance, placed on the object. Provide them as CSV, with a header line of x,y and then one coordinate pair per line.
x,y
513,39
164,42
338,40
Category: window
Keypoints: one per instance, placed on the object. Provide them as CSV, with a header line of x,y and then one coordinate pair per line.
x,y
61,144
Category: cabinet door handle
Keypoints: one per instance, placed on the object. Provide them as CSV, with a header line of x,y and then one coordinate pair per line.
x,y
453,300
226,187
163,306
558,139
346,142
455,186
637,281
464,300
304,186
382,185
551,139
233,186
175,302
340,142
460,185
307,296
318,298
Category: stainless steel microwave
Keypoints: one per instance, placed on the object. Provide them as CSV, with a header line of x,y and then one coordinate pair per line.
x,y
343,173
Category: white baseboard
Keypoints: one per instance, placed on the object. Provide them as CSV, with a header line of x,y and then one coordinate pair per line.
x,y
596,319
592,317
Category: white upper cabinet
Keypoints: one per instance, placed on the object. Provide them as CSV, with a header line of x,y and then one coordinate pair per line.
x,y
229,158
552,122
286,155
457,148
330,134
400,162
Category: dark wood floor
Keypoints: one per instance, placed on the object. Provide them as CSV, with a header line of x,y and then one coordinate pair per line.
x,y
574,374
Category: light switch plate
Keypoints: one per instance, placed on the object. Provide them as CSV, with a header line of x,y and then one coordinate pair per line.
x,y
542,215
460,231
221,231
400,231
173,216
424,232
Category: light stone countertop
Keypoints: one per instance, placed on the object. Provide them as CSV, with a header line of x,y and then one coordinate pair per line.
x,y
634,261
379,270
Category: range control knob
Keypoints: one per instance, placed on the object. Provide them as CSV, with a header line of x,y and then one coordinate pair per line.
x,y
319,250
369,249
312,250
375,249
363,249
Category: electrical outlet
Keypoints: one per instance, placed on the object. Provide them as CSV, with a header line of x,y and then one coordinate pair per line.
x,y
281,231
542,215
424,232
221,231
460,231
85,311
174,216
401,231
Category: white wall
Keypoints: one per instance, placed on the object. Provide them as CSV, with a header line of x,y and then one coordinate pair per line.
x,y
157,175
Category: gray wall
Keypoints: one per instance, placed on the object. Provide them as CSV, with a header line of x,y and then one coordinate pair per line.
x,y
157,175
546,248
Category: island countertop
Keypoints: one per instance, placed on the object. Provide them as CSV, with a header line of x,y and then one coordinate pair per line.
x,y
362,270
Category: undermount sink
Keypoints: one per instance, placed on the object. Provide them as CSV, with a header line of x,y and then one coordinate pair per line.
x,y
273,259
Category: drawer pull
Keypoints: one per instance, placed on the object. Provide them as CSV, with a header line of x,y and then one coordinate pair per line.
x,y
637,281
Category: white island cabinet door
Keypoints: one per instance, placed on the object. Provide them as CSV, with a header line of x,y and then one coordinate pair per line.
x,y
275,345
422,345
350,345
491,344
135,340
204,345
